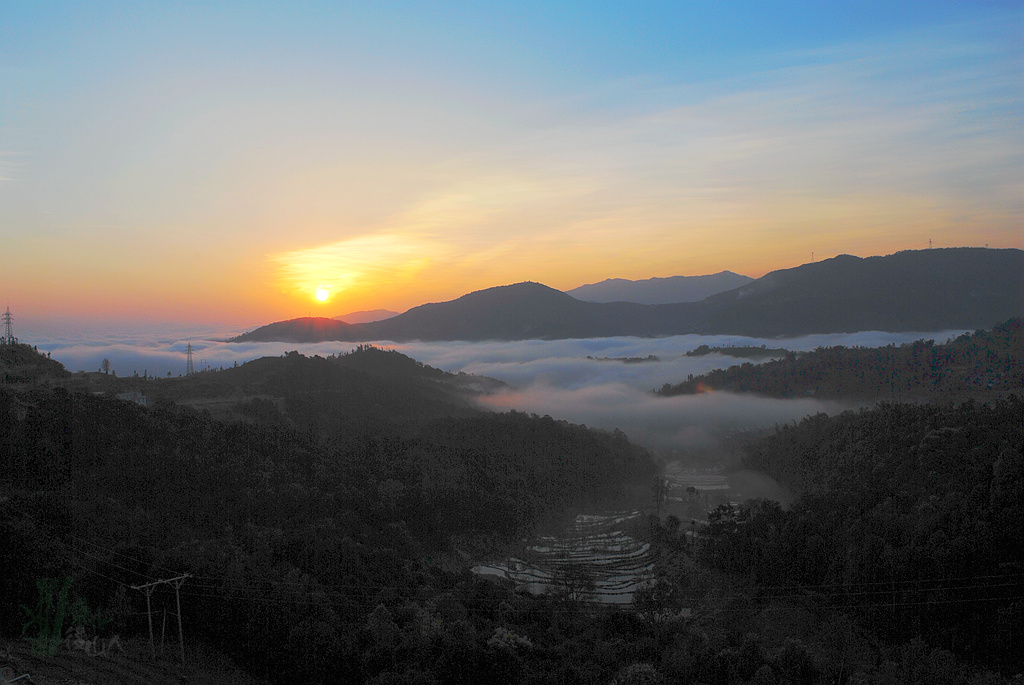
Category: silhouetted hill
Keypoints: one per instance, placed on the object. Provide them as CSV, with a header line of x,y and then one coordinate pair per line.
x,y
659,290
327,394
926,290
513,312
304,329
20,363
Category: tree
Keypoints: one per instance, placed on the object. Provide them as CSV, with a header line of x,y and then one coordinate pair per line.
x,y
105,365
573,581
661,597
659,491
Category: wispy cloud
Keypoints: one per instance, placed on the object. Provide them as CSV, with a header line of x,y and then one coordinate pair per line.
x,y
9,164
412,190
929,116
468,228
862,148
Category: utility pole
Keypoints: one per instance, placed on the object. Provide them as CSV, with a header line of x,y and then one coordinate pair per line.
x,y
189,368
148,589
177,601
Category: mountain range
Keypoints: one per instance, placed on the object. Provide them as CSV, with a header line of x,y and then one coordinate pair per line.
x,y
659,290
923,290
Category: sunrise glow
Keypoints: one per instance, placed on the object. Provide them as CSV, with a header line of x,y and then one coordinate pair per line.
x,y
178,180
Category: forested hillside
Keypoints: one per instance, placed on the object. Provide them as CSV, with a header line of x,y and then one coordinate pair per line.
x,y
986,363
292,539
326,538
311,562
341,396
908,520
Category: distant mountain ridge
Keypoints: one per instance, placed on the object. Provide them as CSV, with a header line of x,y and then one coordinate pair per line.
x,y
659,290
925,290
366,316
913,290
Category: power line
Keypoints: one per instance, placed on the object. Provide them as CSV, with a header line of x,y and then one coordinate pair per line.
x,y
299,588
148,590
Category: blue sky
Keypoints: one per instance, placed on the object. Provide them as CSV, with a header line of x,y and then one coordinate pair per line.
x,y
222,162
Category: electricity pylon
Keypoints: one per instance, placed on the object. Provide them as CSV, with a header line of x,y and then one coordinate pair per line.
x,y
8,338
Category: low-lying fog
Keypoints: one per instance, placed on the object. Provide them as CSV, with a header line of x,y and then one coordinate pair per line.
x,y
566,379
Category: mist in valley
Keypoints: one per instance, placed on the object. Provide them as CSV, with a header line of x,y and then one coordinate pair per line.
x,y
583,381
689,423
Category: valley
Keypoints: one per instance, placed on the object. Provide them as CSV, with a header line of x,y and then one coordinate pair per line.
x,y
464,343
389,498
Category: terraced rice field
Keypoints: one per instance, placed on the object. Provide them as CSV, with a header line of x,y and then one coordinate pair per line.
x,y
597,543
617,563
680,478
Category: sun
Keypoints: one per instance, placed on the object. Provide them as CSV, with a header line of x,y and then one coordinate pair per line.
x,y
322,294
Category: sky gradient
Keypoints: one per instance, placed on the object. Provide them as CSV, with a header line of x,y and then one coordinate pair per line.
x,y
219,163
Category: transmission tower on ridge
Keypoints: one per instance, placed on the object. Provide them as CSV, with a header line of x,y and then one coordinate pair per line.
x,y
8,338
189,368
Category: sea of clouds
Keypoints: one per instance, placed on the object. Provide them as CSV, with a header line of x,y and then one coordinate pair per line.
x,y
565,379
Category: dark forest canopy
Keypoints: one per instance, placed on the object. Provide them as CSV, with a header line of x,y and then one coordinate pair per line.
x,y
325,518
908,515
980,364
294,537
311,558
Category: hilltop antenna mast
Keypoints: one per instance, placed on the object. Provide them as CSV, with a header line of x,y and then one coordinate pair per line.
x,y
189,368
8,338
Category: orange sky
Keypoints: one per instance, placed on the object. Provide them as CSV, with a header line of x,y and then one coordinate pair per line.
x,y
150,172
